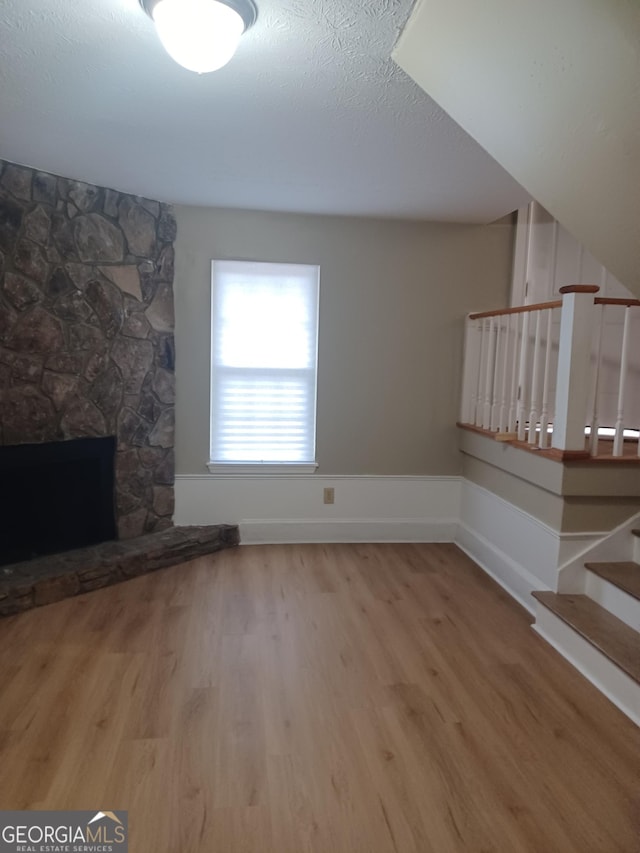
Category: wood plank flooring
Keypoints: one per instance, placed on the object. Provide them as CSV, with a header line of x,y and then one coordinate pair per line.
x,y
329,699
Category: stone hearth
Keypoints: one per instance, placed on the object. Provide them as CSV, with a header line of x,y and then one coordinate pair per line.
x,y
47,579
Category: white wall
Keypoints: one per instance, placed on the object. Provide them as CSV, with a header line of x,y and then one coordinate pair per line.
x,y
549,257
551,90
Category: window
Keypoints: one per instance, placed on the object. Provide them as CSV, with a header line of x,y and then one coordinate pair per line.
x,y
263,366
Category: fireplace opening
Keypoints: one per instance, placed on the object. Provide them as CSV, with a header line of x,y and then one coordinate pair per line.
x,y
55,497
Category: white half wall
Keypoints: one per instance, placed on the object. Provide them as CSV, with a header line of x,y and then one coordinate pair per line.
x,y
290,508
520,552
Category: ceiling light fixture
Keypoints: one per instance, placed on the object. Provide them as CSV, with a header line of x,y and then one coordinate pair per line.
x,y
201,35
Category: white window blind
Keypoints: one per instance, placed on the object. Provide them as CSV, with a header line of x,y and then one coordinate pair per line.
x,y
263,362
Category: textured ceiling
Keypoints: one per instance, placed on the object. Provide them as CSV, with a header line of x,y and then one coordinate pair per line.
x,y
311,115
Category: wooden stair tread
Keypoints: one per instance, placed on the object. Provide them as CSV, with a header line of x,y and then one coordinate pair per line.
x,y
610,635
623,574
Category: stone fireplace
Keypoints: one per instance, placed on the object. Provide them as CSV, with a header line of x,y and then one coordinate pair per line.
x,y
86,331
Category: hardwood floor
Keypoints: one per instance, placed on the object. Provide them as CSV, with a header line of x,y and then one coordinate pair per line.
x,y
331,699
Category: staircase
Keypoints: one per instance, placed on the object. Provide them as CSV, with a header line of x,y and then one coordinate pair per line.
x,y
599,631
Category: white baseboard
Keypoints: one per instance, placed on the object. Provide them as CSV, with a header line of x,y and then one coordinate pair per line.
x,y
257,532
616,685
512,576
290,508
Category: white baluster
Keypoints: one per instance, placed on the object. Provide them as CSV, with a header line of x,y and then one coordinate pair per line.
x,y
464,401
496,375
475,370
595,417
544,415
535,380
469,377
513,397
522,377
486,416
502,414
477,420
618,441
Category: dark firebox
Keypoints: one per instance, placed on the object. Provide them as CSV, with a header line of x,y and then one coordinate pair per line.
x,y
56,496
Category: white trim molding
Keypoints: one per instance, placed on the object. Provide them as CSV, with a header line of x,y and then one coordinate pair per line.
x,y
251,469
279,508
506,571
519,551
315,530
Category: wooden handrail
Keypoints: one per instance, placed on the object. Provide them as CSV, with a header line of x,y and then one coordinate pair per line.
x,y
630,303
579,288
520,309
557,303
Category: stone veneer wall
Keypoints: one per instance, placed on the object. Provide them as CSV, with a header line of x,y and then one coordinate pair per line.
x,y
86,330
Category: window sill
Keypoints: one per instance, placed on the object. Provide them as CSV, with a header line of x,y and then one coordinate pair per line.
x,y
250,469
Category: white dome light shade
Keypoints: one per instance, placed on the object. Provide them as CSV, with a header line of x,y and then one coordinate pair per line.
x,y
200,35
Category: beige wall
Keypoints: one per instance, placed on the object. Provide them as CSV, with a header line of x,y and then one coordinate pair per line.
x,y
392,300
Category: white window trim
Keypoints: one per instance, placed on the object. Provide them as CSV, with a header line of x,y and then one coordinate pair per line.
x,y
270,468
250,469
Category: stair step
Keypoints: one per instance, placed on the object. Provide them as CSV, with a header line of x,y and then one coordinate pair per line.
x,y
625,575
610,635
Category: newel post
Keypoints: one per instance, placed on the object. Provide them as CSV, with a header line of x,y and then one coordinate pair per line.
x,y
574,364
471,366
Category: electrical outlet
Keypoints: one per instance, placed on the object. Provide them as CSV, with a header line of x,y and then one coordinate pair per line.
x,y
329,495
